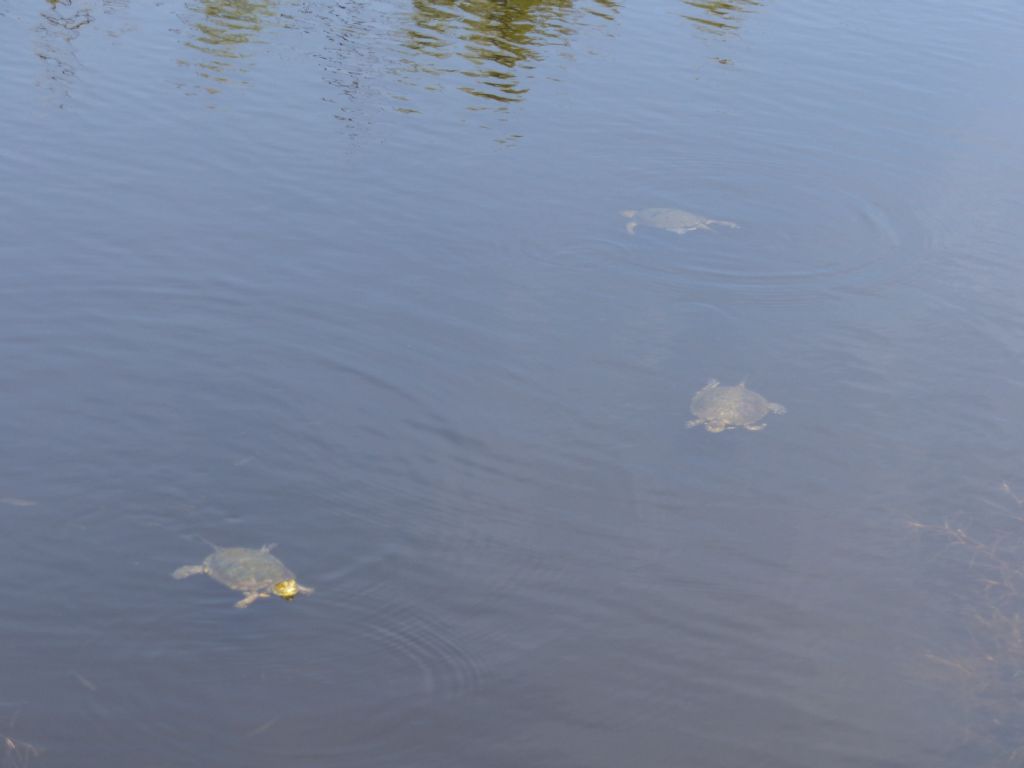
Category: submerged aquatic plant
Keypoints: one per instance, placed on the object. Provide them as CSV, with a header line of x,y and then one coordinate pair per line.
x,y
991,671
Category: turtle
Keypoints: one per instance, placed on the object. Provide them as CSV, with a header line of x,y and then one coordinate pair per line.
x,y
254,572
720,408
672,219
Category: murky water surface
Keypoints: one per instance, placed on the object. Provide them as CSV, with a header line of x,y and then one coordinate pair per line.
x,y
352,277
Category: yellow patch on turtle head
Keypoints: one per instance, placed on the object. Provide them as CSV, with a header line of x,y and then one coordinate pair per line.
x,y
286,589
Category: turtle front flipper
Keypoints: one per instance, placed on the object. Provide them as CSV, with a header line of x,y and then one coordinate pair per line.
x,y
249,599
188,570
694,423
730,224
305,590
755,427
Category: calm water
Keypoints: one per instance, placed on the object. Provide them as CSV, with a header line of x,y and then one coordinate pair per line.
x,y
351,277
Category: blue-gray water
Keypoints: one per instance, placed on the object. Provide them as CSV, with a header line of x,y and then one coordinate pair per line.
x,y
351,277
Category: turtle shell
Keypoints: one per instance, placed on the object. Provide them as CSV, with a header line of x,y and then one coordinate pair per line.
x,y
670,218
728,407
247,570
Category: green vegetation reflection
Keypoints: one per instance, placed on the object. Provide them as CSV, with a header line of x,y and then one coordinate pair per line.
x,y
223,28
499,40
720,16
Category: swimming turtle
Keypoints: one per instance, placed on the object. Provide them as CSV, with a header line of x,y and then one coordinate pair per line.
x,y
254,572
720,408
671,219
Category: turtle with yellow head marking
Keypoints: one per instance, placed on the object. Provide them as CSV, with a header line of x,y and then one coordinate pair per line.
x,y
254,572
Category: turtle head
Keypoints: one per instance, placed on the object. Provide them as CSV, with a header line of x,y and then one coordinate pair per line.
x,y
286,589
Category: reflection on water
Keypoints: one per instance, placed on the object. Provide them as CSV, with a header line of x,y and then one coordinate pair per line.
x,y
487,48
498,40
447,380
66,15
720,16
352,54
60,24
223,28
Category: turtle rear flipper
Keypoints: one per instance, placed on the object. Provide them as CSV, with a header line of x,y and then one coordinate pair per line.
x,y
188,570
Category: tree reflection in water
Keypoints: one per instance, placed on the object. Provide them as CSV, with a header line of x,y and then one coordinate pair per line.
x,y
223,29
60,23
497,40
488,48
719,16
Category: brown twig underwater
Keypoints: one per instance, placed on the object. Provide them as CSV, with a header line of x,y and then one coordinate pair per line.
x,y
264,727
18,754
11,501
84,681
1012,495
